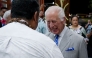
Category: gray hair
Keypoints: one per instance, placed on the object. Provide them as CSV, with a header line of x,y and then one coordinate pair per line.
x,y
6,14
60,10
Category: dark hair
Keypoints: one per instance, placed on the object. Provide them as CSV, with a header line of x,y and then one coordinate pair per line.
x,y
75,16
2,8
24,8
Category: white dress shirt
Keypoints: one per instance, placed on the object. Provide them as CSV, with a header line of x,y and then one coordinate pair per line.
x,y
19,41
62,34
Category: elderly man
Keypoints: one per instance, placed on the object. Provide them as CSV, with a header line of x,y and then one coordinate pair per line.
x,y
71,44
18,39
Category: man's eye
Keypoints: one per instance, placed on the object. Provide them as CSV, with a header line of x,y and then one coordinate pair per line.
x,y
53,21
48,22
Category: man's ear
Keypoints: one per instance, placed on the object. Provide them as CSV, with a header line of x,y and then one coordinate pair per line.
x,y
64,20
36,16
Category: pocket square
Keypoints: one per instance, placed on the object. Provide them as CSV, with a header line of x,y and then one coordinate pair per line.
x,y
70,49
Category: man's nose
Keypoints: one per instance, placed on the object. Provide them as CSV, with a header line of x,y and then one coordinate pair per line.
x,y
51,24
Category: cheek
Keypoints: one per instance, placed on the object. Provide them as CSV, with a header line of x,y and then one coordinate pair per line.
x,y
9,18
73,22
48,25
60,26
34,25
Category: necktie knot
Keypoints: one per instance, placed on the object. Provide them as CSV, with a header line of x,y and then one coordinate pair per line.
x,y
56,39
57,36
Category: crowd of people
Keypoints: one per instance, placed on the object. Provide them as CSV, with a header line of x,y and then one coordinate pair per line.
x,y
27,32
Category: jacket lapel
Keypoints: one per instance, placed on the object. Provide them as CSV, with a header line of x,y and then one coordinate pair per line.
x,y
51,35
65,40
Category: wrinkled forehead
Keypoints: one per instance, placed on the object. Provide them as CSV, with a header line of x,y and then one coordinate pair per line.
x,y
51,16
51,11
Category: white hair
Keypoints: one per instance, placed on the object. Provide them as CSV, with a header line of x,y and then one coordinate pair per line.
x,y
6,14
60,10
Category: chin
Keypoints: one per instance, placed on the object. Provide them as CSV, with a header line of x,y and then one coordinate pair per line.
x,y
55,32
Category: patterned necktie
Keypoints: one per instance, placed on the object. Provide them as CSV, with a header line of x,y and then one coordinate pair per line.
x,y
56,39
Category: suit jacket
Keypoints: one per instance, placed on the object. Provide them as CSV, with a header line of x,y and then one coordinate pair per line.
x,y
72,45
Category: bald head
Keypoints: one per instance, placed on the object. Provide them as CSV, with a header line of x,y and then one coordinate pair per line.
x,y
55,10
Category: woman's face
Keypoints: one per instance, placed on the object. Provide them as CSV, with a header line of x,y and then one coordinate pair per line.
x,y
75,21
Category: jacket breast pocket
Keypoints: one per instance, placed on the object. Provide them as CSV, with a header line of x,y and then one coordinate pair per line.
x,y
70,54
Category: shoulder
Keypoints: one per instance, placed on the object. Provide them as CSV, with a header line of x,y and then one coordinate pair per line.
x,y
81,28
49,33
72,34
41,36
70,27
76,37
43,39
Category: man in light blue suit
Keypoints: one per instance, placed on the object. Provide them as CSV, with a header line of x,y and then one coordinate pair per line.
x,y
71,44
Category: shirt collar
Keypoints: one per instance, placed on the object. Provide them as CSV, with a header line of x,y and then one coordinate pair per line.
x,y
63,32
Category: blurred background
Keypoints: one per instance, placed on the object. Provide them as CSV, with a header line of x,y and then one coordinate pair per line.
x,y
81,8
